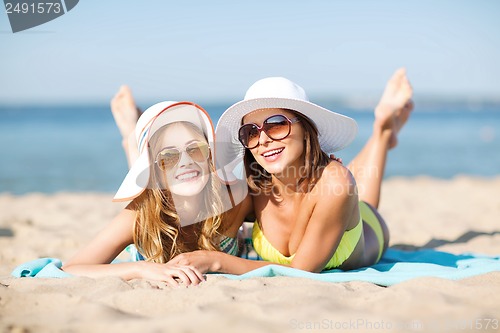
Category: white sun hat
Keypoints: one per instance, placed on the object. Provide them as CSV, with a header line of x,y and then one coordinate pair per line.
x,y
336,131
154,118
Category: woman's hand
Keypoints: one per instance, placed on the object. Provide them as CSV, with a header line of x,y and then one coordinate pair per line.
x,y
172,274
202,260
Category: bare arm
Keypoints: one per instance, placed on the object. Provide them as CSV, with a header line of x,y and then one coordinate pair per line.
x,y
95,259
234,218
335,210
218,262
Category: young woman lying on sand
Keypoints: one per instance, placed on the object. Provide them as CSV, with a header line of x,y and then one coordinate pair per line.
x,y
309,213
325,215
179,203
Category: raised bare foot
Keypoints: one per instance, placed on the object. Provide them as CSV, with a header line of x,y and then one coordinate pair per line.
x,y
125,111
394,107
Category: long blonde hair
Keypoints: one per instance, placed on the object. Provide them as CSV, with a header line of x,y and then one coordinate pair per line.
x,y
157,226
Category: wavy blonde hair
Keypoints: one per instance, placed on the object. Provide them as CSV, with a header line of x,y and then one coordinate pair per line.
x,y
157,226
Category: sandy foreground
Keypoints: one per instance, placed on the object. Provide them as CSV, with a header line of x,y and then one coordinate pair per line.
x,y
461,215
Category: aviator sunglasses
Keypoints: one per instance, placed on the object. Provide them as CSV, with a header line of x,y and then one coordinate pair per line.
x,y
169,157
276,127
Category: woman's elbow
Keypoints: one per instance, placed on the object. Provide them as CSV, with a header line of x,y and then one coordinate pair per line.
x,y
307,268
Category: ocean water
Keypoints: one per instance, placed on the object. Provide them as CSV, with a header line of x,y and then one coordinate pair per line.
x,y
78,148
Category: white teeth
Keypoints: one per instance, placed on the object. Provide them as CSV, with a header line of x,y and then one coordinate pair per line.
x,y
272,152
187,175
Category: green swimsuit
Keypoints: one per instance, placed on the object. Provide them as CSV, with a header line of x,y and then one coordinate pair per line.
x,y
346,246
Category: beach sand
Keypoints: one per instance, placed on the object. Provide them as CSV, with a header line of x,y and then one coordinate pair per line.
x,y
458,215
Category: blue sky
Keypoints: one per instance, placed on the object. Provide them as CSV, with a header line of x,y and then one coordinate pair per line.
x,y
214,50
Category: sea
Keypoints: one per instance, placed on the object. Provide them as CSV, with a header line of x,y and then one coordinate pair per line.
x,y
78,148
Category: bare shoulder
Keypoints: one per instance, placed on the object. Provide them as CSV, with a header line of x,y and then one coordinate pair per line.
x,y
336,194
336,189
125,220
135,203
337,178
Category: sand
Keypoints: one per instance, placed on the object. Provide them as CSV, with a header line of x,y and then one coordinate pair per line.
x,y
458,215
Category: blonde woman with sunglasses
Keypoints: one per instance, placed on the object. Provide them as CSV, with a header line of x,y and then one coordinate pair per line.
x,y
312,213
179,202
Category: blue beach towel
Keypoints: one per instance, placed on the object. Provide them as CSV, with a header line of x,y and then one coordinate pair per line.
x,y
42,268
395,266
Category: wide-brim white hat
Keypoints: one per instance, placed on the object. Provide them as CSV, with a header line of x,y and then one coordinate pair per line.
x,y
336,131
154,118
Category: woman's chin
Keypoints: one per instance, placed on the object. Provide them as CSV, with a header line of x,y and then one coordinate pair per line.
x,y
273,168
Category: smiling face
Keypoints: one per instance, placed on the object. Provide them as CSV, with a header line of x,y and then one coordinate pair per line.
x,y
278,156
181,156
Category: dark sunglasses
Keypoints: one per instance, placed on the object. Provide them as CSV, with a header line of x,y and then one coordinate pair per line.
x,y
276,127
169,157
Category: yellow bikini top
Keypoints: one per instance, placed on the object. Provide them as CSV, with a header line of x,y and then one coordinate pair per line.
x,y
346,246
